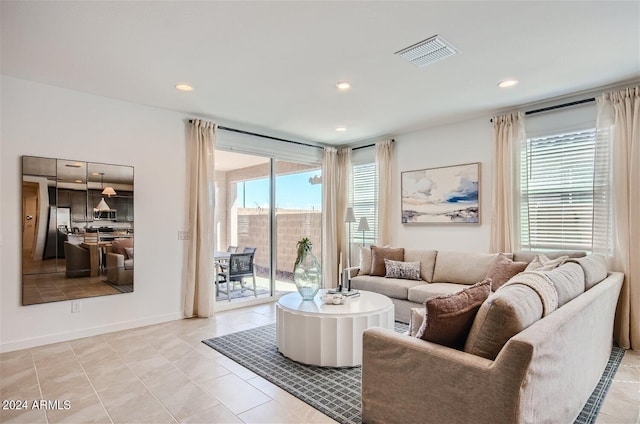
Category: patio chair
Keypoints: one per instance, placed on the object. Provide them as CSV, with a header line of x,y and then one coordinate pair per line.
x,y
232,249
249,250
240,265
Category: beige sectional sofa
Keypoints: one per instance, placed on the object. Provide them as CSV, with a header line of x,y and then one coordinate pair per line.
x,y
442,272
517,366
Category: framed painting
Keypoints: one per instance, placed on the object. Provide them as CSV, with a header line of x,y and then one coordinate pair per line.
x,y
449,194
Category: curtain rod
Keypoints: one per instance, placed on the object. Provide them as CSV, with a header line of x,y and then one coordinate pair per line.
x,y
560,106
546,109
220,127
369,145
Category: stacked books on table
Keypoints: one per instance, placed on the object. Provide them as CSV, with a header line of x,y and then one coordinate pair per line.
x,y
350,293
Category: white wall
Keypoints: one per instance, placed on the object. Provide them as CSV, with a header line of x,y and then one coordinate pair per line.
x,y
41,120
463,142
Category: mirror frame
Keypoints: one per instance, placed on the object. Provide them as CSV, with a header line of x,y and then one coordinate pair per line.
x,y
76,241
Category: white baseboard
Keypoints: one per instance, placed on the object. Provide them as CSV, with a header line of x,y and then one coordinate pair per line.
x,y
87,332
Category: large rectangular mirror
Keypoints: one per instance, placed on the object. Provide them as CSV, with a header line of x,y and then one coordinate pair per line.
x,y
77,229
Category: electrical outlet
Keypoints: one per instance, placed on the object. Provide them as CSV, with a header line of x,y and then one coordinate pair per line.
x,y
75,307
184,235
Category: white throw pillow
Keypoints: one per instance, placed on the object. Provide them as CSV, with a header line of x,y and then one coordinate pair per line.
x,y
365,261
129,251
542,263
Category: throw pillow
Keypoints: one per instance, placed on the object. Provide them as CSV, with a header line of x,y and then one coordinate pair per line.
x,y
129,251
449,318
118,245
402,270
379,254
542,263
502,269
365,261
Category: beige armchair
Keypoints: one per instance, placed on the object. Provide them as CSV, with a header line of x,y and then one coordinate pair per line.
x,y
120,262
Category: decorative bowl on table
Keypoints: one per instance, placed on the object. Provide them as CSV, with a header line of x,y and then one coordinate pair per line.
x,y
333,299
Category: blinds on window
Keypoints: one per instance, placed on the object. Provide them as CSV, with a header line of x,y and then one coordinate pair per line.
x,y
364,199
557,191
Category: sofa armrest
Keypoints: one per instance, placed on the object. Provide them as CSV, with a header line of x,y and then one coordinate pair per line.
x,y
408,380
115,261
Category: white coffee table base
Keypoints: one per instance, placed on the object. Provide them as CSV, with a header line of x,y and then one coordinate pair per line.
x,y
313,333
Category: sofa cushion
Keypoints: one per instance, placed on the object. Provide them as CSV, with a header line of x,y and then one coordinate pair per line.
x,y
594,267
365,261
462,267
502,269
129,251
504,314
568,280
379,254
427,259
390,287
119,245
449,318
421,293
542,263
527,256
402,270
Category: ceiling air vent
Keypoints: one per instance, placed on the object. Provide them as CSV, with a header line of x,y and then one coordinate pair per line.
x,y
428,51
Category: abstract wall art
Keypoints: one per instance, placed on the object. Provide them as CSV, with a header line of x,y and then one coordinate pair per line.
x,y
449,194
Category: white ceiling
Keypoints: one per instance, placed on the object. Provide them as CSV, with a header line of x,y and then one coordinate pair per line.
x,y
272,66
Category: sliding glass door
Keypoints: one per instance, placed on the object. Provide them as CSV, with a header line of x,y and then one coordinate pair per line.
x,y
243,222
298,213
246,188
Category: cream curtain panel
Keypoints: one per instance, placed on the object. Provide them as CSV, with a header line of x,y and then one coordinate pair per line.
x,y
384,165
509,134
344,183
336,171
198,299
619,117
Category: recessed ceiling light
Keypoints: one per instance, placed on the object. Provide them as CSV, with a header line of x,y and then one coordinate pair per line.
x,y
95,173
343,85
341,129
78,181
184,87
508,83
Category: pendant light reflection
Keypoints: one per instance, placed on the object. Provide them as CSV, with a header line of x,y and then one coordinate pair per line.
x,y
107,191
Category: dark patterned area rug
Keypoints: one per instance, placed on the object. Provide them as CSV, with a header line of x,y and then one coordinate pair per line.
x,y
336,391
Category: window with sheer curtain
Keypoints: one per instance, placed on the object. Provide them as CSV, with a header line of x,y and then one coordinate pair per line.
x,y
364,197
558,194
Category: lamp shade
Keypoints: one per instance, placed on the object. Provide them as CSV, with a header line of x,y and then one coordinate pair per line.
x,y
363,225
102,206
349,216
109,191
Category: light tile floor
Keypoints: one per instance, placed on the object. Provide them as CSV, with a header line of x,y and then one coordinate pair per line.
x,y
164,374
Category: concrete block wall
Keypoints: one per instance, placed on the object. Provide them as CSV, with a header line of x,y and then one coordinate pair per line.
x,y
291,226
249,227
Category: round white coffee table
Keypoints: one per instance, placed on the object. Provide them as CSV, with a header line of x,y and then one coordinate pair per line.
x,y
313,333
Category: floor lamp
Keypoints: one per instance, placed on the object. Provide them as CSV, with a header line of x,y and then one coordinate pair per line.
x,y
349,217
363,226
